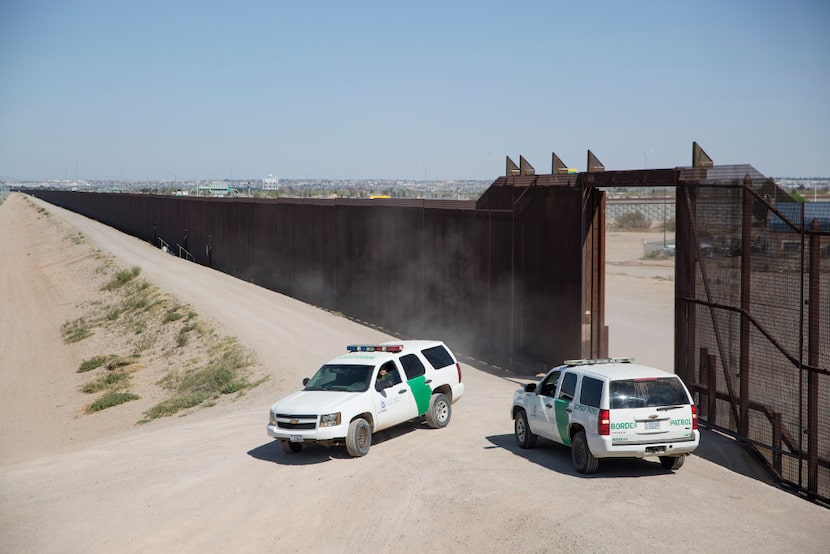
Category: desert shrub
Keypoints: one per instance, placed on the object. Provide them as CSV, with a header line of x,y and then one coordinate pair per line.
x,y
109,400
224,374
75,331
122,278
630,221
94,363
176,404
112,380
172,315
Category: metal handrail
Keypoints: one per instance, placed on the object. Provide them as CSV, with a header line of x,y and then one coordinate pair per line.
x,y
187,255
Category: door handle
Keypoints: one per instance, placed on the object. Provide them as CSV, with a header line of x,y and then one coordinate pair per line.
x,y
548,405
402,391
568,410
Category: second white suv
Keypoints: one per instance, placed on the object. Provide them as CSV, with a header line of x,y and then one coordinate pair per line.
x,y
608,408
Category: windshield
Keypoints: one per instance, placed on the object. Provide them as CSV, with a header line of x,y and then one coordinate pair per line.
x,y
647,393
351,378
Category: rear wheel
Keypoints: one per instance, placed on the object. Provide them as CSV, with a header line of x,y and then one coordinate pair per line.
x,y
524,435
672,462
440,411
583,460
359,438
291,447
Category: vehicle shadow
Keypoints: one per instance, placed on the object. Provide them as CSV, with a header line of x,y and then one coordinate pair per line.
x,y
728,453
557,457
314,454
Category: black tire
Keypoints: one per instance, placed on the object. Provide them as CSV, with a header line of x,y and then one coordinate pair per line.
x,y
524,435
359,438
291,447
440,411
583,460
672,462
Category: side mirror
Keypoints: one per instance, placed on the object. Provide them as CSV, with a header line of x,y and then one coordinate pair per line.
x,y
530,387
305,381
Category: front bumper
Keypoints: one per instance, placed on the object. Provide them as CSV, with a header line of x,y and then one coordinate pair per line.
x,y
320,434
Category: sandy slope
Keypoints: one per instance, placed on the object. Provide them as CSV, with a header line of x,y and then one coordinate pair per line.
x,y
212,481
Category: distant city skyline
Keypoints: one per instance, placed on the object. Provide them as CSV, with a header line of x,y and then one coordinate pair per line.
x,y
427,91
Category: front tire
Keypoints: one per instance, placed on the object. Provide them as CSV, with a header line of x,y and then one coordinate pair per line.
x,y
359,438
291,447
672,462
440,411
524,435
583,460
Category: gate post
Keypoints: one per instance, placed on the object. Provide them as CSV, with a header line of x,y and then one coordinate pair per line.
x,y
746,274
712,364
813,337
776,443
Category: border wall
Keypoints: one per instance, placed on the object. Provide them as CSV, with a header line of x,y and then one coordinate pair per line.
x,y
500,280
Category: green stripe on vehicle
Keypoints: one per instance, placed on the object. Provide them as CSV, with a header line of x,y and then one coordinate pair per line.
x,y
560,409
421,392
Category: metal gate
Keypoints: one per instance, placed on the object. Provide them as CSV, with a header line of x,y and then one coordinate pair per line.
x,y
752,311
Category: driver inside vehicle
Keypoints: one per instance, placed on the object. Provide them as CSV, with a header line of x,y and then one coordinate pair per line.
x,y
387,377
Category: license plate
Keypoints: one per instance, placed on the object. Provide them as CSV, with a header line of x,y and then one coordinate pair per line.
x,y
651,425
296,438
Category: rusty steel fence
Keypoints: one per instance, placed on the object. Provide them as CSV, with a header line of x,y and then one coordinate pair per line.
x,y
753,318
502,280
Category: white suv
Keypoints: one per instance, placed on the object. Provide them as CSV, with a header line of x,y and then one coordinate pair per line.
x,y
370,388
608,408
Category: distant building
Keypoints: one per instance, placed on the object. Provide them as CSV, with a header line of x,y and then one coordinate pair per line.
x,y
270,183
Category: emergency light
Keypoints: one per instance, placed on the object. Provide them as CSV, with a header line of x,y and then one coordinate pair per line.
x,y
374,347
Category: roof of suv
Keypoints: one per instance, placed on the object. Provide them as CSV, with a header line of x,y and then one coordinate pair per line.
x,y
618,370
377,357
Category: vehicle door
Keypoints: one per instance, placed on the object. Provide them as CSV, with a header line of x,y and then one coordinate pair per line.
x,y
563,407
539,406
394,402
415,374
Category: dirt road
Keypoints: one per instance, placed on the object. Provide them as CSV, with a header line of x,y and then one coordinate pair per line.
x,y
213,482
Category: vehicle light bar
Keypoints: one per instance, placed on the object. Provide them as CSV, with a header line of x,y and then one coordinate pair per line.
x,y
626,360
374,347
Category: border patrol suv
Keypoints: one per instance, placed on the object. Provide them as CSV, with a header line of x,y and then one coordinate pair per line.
x,y
371,388
608,408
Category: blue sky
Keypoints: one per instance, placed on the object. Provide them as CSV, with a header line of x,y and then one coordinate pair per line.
x,y
438,90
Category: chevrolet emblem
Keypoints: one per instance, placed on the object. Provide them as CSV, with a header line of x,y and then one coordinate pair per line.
x,y
295,422
653,416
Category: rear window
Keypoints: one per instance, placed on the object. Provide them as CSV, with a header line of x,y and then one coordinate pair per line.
x,y
438,356
591,392
641,393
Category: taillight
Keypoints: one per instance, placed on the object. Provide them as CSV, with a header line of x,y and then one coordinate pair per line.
x,y
694,417
458,367
604,422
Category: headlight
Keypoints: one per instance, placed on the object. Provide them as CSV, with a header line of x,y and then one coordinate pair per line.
x,y
272,419
330,420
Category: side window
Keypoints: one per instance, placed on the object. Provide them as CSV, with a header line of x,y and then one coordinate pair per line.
x,y
568,389
412,366
438,356
591,392
388,376
549,384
